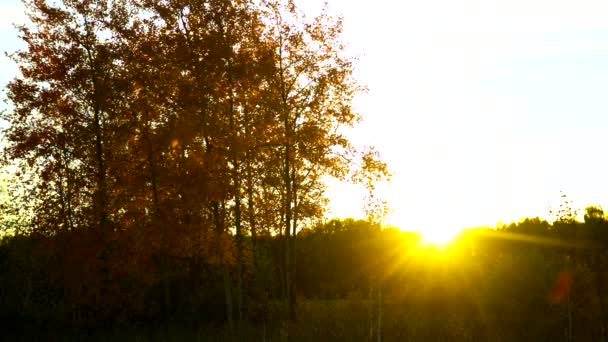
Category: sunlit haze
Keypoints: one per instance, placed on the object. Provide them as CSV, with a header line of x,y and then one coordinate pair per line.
x,y
484,110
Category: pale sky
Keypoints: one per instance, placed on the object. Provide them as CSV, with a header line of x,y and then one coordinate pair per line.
x,y
485,110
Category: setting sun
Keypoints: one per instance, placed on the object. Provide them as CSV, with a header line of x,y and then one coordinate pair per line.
x,y
481,106
439,236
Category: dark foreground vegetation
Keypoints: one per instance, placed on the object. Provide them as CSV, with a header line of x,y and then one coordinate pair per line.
x,y
531,281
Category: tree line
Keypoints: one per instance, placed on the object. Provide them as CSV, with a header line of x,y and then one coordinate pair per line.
x,y
532,280
156,140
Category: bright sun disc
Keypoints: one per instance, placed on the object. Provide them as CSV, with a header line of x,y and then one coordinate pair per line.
x,y
438,236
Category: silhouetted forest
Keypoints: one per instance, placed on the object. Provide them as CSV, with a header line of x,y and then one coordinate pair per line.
x,y
525,281
165,167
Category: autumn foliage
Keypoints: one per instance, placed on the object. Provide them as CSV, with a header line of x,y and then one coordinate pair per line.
x,y
163,140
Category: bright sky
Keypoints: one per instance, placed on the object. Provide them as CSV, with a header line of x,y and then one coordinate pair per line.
x,y
485,110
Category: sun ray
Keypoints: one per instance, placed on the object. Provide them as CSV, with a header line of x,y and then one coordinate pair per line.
x,y
539,239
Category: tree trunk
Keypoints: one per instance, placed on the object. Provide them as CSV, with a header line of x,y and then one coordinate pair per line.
x,y
379,314
158,219
252,223
225,272
600,294
292,288
228,296
101,191
239,246
371,310
569,305
237,199
288,239
101,173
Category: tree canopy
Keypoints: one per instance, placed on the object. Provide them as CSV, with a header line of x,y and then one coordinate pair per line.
x,y
180,129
